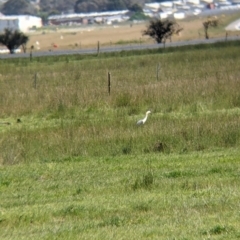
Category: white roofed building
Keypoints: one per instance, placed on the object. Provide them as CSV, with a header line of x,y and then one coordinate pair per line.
x,y
180,9
22,23
80,18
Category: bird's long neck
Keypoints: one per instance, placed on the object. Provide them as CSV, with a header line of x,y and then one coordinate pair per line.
x,y
145,119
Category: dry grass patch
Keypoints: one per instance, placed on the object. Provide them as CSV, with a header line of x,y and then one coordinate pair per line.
x,y
86,37
89,36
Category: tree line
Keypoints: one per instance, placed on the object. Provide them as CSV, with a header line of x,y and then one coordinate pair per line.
x,y
159,30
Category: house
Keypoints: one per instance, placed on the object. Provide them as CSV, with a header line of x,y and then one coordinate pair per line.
x,y
22,23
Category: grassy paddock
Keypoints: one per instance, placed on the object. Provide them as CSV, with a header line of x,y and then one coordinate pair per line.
x,y
67,111
157,196
76,163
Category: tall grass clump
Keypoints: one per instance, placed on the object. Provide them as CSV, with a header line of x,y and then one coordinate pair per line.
x,y
65,109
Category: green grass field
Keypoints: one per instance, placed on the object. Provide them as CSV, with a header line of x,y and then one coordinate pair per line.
x,y
76,166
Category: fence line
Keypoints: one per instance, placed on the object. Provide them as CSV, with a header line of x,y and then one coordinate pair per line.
x,y
42,75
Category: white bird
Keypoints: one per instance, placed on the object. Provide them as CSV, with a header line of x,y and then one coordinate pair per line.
x,y
142,121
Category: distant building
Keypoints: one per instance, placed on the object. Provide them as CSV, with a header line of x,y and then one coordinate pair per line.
x,y
180,9
22,23
88,18
211,6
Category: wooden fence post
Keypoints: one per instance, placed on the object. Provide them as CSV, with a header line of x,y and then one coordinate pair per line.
x,y
98,47
32,47
158,70
35,81
109,83
226,36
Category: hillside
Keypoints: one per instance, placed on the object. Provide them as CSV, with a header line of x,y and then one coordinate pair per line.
x,y
65,6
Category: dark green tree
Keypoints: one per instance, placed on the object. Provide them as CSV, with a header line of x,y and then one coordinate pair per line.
x,y
135,8
138,16
13,7
13,39
101,5
161,30
56,5
90,6
115,5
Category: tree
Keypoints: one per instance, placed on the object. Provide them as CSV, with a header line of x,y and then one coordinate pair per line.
x,y
99,5
115,5
91,6
135,8
85,7
13,7
210,22
13,39
161,30
138,16
56,5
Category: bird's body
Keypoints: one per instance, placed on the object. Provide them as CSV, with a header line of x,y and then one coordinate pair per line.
x,y
142,121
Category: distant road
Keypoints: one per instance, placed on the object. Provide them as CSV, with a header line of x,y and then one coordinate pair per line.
x,y
117,48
